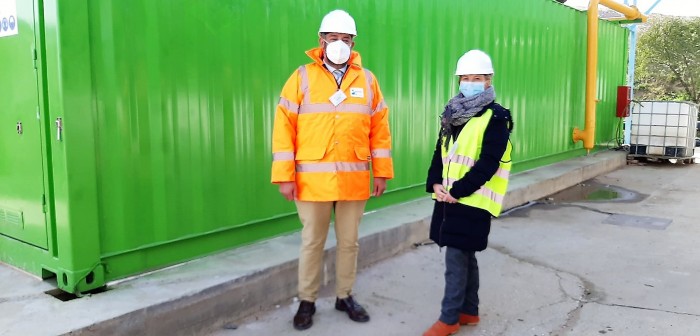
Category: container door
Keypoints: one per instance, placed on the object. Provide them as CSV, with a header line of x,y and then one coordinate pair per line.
x,y
22,197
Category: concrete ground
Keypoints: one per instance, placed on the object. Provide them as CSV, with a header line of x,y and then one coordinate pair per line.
x,y
557,267
562,266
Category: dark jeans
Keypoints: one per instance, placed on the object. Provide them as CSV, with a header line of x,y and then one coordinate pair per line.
x,y
461,285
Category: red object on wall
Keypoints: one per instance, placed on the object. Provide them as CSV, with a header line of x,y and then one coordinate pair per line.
x,y
623,101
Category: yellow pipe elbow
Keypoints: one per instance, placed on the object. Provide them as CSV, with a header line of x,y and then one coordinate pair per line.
x,y
630,12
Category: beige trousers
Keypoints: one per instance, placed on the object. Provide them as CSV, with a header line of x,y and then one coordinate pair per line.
x,y
315,218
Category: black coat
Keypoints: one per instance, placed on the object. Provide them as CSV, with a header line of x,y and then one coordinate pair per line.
x,y
458,225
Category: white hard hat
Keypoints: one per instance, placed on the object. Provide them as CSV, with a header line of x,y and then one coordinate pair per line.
x,y
474,62
338,21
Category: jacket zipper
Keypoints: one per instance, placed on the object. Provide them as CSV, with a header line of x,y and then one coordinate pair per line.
x,y
442,226
444,204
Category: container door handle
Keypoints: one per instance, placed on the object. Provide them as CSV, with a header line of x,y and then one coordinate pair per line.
x,y
59,129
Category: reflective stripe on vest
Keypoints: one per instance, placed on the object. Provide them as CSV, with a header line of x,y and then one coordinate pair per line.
x,y
460,158
283,156
483,191
469,162
304,85
308,107
291,107
381,153
332,167
330,108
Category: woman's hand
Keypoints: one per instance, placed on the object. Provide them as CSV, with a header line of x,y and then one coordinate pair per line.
x,y
442,194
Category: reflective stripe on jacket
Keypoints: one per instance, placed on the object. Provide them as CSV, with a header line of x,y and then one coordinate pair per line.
x,y
329,150
461,156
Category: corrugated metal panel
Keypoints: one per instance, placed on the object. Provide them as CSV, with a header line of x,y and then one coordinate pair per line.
x,y
185,95
168,106
612,60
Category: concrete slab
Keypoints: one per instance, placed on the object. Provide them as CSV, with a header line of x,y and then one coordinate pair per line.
x,y
403,296
599,319
203,295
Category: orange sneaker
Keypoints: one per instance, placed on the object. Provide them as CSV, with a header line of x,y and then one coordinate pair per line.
x,y
470,320
442,329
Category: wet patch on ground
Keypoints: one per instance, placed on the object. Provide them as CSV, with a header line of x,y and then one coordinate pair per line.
x,y
594,191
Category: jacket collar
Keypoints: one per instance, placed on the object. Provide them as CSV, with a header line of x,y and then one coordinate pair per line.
x,y
316,54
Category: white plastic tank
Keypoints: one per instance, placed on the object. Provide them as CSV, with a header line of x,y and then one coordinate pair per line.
x,y
663,128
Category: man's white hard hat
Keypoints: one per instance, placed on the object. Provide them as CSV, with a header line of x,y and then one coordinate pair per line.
x,y
338,21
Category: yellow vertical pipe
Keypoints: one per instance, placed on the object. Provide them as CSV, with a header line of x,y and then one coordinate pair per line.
x,y
588,133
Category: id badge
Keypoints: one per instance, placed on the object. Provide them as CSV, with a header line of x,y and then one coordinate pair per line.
x,y
337,98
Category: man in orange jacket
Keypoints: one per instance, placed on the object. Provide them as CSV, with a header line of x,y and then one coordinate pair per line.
x,y
331,127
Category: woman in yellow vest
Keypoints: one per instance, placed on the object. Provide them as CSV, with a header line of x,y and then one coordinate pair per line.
x,y
468,177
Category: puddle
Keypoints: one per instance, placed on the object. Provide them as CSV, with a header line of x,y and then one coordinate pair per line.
x,y
594,191
590,191
603,194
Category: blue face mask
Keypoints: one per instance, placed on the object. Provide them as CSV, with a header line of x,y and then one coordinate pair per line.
x,y
469,89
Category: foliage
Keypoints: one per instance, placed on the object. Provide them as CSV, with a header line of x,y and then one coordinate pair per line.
x,y
668,60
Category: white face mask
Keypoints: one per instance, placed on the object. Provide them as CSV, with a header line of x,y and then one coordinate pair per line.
x,y
337,52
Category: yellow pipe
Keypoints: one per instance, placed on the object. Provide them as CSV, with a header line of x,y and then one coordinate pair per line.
x,y
587,135
630,12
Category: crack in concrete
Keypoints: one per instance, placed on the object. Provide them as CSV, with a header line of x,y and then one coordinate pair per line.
x,y
645,308
572,319
587,296
561,286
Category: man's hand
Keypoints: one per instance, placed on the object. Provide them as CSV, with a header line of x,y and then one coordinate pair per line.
x,y
442,194
288,190
379,186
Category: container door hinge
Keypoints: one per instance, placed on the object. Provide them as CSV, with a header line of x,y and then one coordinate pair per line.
x,y
44,207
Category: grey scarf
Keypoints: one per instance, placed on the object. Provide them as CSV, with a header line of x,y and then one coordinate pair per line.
x,y
460,109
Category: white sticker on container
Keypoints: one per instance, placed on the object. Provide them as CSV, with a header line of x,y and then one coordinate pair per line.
x,y
9,24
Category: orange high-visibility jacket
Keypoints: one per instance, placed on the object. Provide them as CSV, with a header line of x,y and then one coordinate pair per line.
x,y
327,149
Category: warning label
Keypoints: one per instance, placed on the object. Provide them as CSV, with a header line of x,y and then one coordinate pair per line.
x,y
9,24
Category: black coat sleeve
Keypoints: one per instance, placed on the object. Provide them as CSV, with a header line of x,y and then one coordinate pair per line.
x,y
494,145
435,170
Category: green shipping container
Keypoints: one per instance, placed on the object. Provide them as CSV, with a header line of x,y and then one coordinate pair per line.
x,y
135,134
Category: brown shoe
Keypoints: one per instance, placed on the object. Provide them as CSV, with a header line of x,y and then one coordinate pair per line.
x,y
440,328
354,310
303,319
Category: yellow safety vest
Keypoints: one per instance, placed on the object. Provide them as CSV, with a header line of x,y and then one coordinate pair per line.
x,y
461,156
